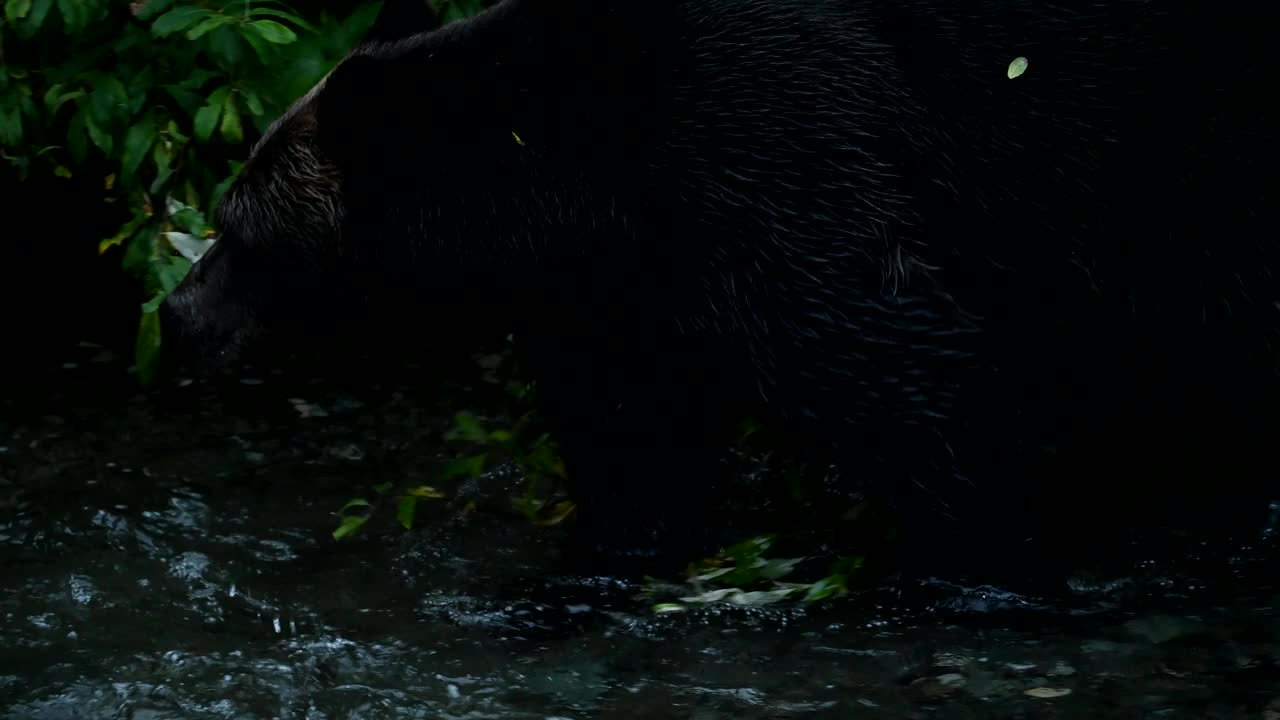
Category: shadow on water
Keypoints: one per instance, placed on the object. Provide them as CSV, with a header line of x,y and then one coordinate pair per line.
x,y
171,557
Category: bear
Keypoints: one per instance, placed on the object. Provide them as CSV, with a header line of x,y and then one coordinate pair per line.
x,y
1011,263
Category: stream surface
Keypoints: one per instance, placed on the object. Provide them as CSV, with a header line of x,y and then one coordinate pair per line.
x,y
169,556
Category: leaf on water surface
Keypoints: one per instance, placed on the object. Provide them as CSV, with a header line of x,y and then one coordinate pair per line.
x,y
1047,693
737,596
669,608
1017,67
382,488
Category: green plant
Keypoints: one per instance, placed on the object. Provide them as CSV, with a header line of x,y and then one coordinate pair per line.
x,y
743,574
165,96
162,98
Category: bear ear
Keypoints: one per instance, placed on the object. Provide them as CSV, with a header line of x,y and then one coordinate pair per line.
x,y
401,19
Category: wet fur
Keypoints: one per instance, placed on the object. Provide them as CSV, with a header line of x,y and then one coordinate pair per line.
x,y
990,295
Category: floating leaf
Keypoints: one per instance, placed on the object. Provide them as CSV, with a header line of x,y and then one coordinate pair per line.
x,y
1017,67
382,488
669,608
1046,693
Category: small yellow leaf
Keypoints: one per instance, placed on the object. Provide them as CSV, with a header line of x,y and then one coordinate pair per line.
x,y
1017,67
426,491
62,172
109,182
517,137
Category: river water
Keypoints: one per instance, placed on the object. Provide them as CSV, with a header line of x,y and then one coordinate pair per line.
x,y
169,556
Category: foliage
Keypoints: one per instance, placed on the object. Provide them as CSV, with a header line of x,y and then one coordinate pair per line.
x,y
742,574
522,444
167,96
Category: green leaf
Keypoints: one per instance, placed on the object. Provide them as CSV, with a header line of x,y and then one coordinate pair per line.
x,y
208,24
154,303
163,159
15,10
138,254
190,102
124,234
146,352
382,488
75,16
293,19
170,270
220,95
232,130
77,138
10,126
1017,67
273,32
152,8
350,524
263,49
100,137
253,102
406,510
465,466
196,80
425,491
467,427
219,190
206,120
139,87
54,98
39,11
353,503
177,20
227,48
137,141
